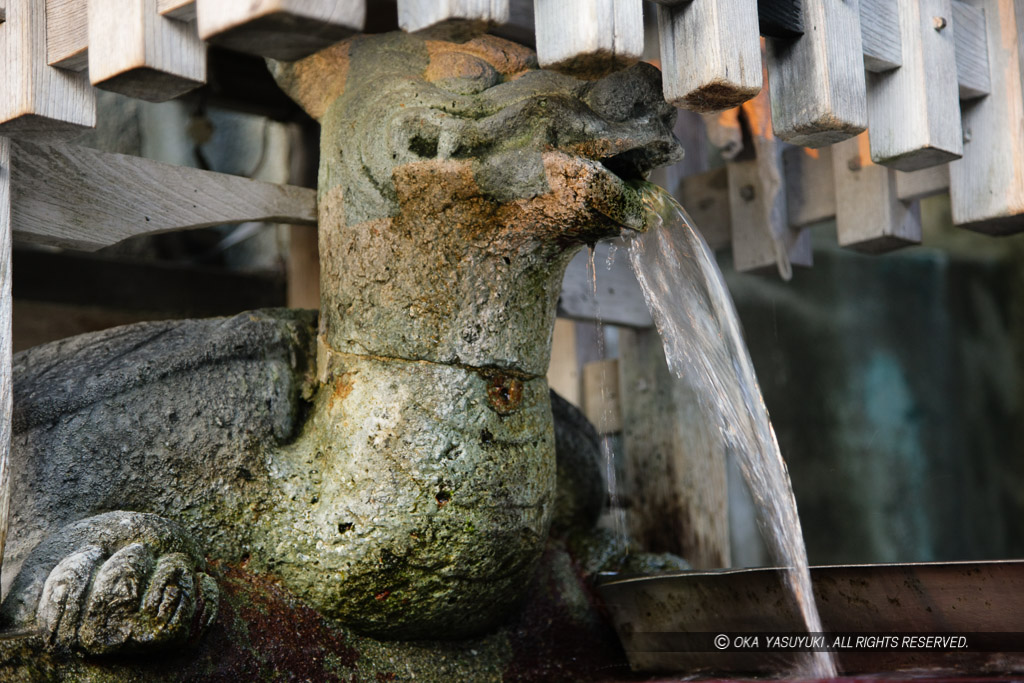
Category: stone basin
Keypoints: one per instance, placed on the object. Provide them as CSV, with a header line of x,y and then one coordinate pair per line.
x,y
668,622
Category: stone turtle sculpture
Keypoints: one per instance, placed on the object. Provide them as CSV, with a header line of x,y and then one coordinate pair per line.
x,y
393,463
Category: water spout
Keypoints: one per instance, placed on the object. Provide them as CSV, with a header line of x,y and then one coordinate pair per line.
x,y
704,346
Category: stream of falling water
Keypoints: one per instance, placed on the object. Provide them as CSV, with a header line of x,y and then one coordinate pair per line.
x,y
618,517
704,346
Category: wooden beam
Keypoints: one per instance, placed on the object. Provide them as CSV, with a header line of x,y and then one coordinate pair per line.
x,y
817,80
914,111
927,182
710,54
971,50
762,236
77,197
6,377
67,34
37,99
880,35
675,461
136,51
414,15
987,184
870,217
280,29
588,37
618,299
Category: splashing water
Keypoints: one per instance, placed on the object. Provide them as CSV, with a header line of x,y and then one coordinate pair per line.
x,y
704,346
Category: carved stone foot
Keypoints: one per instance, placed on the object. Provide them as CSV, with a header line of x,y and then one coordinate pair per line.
x,y
114,583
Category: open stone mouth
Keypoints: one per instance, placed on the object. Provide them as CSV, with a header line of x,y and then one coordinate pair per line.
x,y
633,164
637,162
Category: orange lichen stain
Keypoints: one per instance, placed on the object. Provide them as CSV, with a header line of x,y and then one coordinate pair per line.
x,y
342,387
507,58
316,81
460,65
382,596
504,394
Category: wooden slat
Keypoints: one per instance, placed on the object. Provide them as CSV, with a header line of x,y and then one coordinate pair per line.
x,y
67,34
618,301
810,186
914,111
281,29
588,37
971,52
810,190
182,10
986,186
37,99
77,197
675,460
924,183
817,80
880,35
869,215
6,378
710,54
414,15
761,234
137,52
755,246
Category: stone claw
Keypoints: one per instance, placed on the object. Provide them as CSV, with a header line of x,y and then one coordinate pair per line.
x,y
117,596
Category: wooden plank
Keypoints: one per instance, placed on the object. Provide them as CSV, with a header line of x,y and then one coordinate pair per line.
x,y
182,10
914,111
761,234
77,197
986,186
137,52
710,54
810,190
280,29
67,34
588,37
706,198
971,51
618,301
927,182
755,245
6,331
869,215
563,371
601,401
780,18
37,99
817,80
414,15
675,461
880,35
